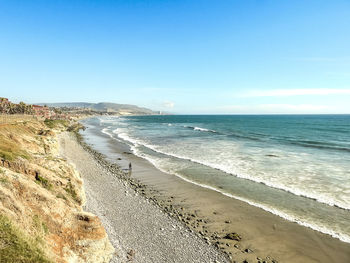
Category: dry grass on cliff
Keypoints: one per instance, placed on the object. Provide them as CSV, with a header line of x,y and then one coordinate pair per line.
x,y
9,144
15,246
56,123
41,217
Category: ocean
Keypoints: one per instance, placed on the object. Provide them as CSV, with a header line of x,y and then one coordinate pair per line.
x,y
294,166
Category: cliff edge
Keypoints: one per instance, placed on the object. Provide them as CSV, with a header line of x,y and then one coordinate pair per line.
x,y
41,199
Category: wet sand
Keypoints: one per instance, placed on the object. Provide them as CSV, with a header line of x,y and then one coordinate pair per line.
x,y
264,236
137,228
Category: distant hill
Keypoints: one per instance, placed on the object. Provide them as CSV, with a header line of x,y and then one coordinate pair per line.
x,y
124,109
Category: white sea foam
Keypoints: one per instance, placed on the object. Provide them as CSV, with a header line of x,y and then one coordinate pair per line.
x,y
310,193
116,131
105,131
278,185
287,216
199,129
110,119
202,129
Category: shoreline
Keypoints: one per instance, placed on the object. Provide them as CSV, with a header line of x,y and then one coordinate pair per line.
x,y
125,213
325,213
300,244
333,234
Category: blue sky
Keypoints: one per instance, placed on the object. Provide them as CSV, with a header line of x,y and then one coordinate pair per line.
x,y
179,56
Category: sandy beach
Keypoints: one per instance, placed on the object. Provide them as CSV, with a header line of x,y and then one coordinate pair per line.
x,y
264,237
138,229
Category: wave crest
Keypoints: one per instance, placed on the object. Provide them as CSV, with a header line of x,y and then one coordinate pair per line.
x,y
200,129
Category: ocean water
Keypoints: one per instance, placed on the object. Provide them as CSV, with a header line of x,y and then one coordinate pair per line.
x,y
295,166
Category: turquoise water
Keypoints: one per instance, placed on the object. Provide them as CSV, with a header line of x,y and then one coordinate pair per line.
x,y
297,167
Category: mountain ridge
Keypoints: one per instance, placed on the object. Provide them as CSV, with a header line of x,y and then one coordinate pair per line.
x,y
103,107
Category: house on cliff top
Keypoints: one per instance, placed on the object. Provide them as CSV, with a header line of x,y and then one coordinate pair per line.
x,y
41,111
4,100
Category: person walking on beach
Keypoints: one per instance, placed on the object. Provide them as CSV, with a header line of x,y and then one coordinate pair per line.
x,y
130,168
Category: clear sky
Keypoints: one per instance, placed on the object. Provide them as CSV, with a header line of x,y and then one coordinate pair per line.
x,y
194,56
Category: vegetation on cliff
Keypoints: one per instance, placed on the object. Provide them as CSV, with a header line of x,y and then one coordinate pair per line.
x,y
56,123
10,148
16,246
41,216
12,108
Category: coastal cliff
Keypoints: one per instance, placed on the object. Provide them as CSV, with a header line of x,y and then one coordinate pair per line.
x,y
41,215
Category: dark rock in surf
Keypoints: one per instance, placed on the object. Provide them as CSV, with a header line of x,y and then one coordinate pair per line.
x,y
271,155
233,236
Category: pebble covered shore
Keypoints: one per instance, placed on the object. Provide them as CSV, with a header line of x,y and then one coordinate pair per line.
x,y
140,227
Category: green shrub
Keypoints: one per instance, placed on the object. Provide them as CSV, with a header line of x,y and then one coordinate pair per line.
x,y
4,180
10,150
10,155
70,190
62,196
40,225
43,181
56,123
76,127
15,246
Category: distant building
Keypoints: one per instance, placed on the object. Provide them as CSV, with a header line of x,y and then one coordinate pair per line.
x,y
4,100
41,111
6,107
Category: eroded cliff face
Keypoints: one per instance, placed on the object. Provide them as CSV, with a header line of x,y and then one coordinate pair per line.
x,y
42,196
